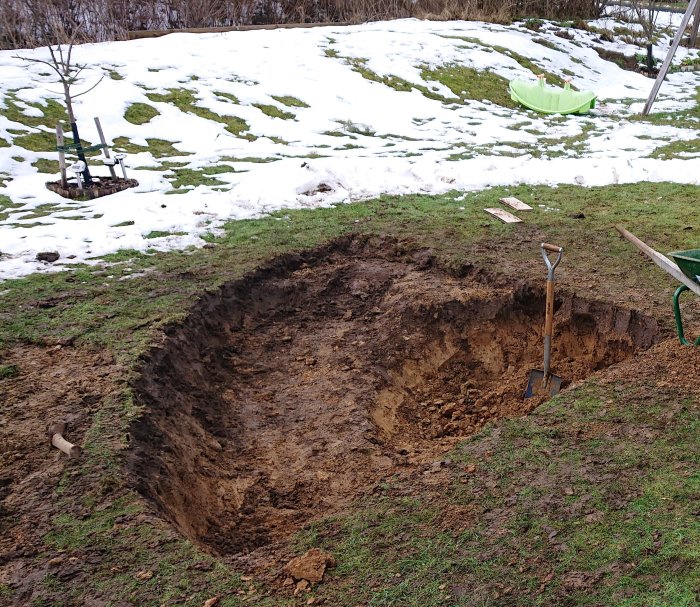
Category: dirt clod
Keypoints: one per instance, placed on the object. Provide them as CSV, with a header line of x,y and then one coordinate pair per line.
x,y
311,566
47,256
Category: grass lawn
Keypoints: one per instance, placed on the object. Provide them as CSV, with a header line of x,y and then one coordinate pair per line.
x,y
591,500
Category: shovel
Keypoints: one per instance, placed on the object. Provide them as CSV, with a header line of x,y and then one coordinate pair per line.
x,y
542,383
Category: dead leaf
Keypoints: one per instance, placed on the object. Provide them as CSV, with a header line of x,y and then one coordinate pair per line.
x,y
212,601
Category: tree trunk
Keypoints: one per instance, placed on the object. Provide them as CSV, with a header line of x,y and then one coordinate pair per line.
x,y
650,57
87,178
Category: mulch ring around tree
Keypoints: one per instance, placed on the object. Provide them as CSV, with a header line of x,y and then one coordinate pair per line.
x,y
100,186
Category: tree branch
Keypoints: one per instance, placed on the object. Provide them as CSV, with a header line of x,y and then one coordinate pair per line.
x,y
92,87
47,63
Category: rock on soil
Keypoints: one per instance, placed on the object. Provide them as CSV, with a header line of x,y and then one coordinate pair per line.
x,y
310,566
49,256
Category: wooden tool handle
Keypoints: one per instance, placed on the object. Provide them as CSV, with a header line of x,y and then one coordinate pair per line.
x,y
71,450
549,310
551,247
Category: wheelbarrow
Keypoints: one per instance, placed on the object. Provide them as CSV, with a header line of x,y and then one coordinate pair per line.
x,y
689,264
686,270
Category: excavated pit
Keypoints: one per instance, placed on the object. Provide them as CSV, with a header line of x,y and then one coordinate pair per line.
x,y
294,390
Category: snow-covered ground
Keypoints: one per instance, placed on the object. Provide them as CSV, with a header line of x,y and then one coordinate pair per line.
x,y
351,138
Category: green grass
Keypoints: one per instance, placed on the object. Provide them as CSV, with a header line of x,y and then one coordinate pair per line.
x,y
99,314
398,546
37,142
289,101
689,118
676,149
467,83
193,177
159,148
140,113
398,84
186,101
273,111
162,234
52,112
7,207
8,371
42,210
227,96
43,165
528,64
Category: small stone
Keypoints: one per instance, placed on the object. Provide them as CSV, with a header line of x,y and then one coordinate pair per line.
x,y
449,409
311,566
55,561
302,585
48,256
144,575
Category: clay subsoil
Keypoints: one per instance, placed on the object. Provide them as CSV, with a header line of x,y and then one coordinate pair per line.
x,y
290,393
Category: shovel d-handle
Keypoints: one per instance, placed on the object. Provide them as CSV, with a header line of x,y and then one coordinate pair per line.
x,y
551,248
549,307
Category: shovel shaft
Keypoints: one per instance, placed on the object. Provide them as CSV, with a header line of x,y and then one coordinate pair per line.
x,y
548,326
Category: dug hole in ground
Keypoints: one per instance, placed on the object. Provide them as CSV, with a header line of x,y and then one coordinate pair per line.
x,y
288,394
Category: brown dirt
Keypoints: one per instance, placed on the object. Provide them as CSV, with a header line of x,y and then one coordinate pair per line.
x,y
53,383
291,392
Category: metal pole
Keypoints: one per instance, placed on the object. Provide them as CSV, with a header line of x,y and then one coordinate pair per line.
x,y
696,25
669,57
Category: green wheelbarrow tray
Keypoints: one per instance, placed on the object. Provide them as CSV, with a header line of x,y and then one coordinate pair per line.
x,y
689,263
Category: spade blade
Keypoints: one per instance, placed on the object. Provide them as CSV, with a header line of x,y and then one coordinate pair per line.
x,y
537,385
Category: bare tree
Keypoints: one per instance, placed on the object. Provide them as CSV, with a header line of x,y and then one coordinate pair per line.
x,y
31,23
68,73
647,12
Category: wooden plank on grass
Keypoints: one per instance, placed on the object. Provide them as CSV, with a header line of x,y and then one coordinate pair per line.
x,y
504,216
516,204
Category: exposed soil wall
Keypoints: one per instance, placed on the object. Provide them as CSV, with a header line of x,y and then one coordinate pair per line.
x,y
292,391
